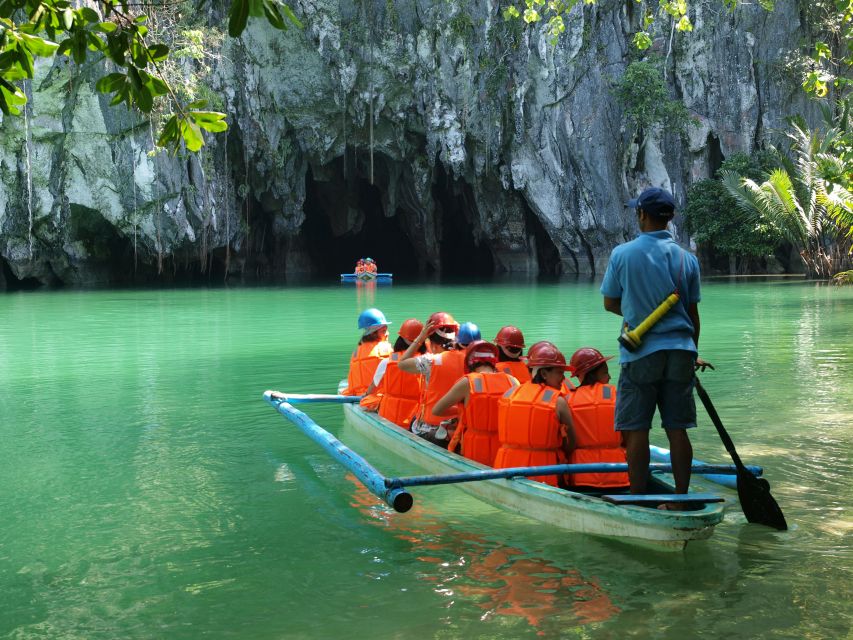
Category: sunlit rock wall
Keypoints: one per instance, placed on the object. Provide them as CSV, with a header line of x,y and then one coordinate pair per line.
x,y
396,90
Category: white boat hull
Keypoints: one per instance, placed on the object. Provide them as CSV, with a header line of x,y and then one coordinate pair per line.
x,y
551,505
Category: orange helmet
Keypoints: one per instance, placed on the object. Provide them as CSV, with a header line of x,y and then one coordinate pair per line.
x,y
510,336
585,360
410,329
547,356
444,323
478,352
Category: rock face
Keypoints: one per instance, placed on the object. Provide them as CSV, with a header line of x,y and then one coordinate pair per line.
x,y
434,136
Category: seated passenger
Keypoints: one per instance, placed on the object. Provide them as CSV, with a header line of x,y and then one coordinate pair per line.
x,y
359,266
370,265
468,333
567,386
478,391
593,406
534,421
372,347
441,366
398,392
510,341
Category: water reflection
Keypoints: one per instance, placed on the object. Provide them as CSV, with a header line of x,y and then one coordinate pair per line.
x,y
502,581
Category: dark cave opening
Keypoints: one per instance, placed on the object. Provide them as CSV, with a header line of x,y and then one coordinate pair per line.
x,y
10,282
547,254
461,254
345,220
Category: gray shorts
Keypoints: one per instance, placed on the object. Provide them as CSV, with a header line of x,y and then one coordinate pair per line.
x,y
663,379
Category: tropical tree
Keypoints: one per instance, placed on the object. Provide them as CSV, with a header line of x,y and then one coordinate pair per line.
x,y
713,220
801,201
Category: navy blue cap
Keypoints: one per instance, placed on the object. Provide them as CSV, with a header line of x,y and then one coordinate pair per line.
x,y
654,201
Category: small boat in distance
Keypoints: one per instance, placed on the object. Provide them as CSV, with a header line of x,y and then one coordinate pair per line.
x,y
366,271
367,277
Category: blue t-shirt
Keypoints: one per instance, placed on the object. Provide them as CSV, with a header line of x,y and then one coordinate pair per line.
x,y
642,273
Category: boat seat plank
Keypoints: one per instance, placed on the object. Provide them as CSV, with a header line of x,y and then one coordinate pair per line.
x,y
646,498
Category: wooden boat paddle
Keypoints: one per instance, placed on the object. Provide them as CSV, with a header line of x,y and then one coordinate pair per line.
x,y
754,493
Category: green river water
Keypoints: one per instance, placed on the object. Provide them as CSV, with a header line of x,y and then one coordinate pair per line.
x,y
147,491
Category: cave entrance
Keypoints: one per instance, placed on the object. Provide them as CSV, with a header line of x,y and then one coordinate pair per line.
x,y
345,220
462,255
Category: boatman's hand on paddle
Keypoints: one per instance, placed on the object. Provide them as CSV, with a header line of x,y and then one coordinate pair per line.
x,y
701,365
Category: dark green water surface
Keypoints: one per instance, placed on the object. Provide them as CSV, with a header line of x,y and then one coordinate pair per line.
x,y
146,490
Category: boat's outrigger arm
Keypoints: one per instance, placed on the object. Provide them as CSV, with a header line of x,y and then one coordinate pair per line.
x,y
392,490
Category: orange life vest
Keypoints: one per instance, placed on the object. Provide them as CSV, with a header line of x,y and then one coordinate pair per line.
x,y
479,418
447,368
401,393
516,368
528,429
362,366
593,408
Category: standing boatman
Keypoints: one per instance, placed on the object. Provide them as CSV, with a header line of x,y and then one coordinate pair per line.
x,y
659,371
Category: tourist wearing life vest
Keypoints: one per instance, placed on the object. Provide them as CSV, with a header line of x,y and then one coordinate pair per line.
x,y
397,393
441,366
567,387
510,342
593,405
534,420
479,392
370,265
372,347
359,266
468,333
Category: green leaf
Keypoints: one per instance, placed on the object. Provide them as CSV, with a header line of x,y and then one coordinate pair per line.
x,y
67,18
642,40
291,16
90,15
11,98
197,104
158,87
158,52
111,83
273,15
39,46
192,135
239,16
78,47
106,27
212,121
144,99
25,59
169,135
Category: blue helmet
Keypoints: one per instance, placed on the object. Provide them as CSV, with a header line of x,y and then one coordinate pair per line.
x,y
371,319
468,332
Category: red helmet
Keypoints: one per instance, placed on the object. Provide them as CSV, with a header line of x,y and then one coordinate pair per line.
x,y
510,337
538,345
478,352
547,356
410,329
585,360
444,324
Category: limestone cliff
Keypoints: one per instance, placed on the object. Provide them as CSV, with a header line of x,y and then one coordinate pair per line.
x,y
434,136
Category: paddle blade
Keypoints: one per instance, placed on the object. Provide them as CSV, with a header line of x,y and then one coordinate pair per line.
x,y
756,502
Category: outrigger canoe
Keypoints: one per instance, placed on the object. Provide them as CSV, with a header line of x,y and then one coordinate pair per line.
x,y
568,510
602,514
367,276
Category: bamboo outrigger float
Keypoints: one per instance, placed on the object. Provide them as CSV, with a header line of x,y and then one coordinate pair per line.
x,y
606,515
